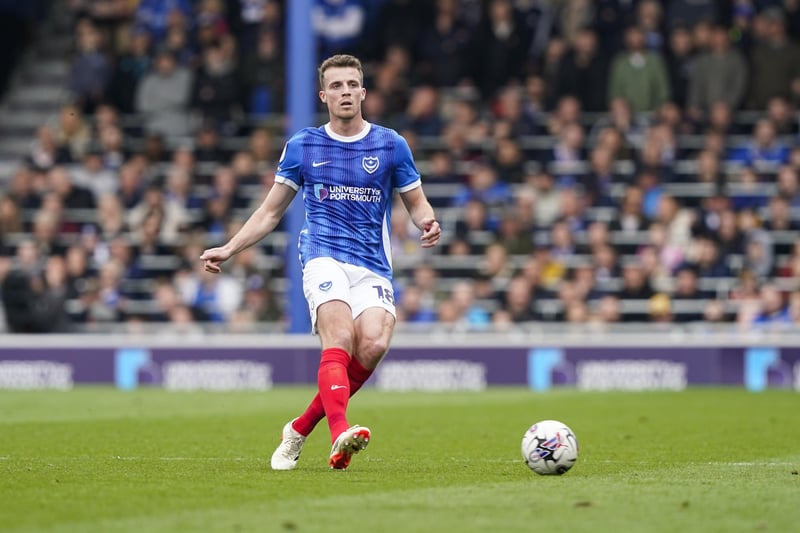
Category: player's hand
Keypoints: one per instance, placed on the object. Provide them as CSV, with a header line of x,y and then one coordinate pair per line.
x,y
431,232
213,259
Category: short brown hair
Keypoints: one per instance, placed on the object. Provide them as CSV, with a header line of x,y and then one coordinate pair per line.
x,y
340,60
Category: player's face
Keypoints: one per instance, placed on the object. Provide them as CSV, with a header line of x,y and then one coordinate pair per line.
x,y
342,92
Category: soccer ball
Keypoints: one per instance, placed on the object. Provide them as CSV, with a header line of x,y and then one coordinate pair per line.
x,y
549,447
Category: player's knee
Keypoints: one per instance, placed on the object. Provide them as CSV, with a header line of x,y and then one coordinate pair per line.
x,y
372,350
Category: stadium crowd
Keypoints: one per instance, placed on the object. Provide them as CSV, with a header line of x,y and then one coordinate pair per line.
x,y
592,162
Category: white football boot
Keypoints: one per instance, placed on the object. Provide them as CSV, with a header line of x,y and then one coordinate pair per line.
x,y
288,451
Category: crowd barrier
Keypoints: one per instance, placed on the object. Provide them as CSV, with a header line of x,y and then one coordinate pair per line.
x,y
433,362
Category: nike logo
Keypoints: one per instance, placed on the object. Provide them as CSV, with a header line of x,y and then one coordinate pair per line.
x,y
319,164
336,387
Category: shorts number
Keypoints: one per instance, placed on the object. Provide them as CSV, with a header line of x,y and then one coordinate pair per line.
x,y
384,294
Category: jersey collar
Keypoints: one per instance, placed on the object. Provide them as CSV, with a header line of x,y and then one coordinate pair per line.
x,y
353,138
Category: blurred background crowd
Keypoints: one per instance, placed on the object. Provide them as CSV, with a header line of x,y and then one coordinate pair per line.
x,y
592,162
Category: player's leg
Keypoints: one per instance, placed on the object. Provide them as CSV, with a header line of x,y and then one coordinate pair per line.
x,y
367,304
373,330
372,299
372,303
372,342
325,285
337,331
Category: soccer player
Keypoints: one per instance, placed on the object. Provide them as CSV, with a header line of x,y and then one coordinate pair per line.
x,y
348,170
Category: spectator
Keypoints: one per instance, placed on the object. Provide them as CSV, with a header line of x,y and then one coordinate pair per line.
x,y
44,152
475,225
262,76
211,14
773,309
775,61
483,185
719,75
690,12
669,255
788,185
639,76
517,300
442,47
175,216
597,183
131,185
620,122
473,316
339,25
260,301
582,72
131,68
728,236
90,71
163,97
216,90
547,203
111,148
720,121
782,116
631,217
608,310
110,219
649,17
709,263
442,169
73,134
677,220
765,151
512,117
72,196
93,177
758,245
260,146
681,63
177,42
30,305
421,115
567,160
411,308
207,148
779,216
499,49
156,16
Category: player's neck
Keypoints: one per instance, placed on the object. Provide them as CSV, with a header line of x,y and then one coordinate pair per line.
x,y
347,127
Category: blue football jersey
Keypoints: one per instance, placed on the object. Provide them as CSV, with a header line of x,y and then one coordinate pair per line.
x,y
347,185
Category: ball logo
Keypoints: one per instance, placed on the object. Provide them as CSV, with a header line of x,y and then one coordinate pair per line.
x,y
320,192
546,449
370,164
325,286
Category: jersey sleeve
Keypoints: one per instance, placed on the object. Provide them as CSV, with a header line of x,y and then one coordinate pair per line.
x,y
290,163
406,176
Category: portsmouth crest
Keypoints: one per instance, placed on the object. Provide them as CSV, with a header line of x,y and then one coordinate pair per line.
x,y
370,164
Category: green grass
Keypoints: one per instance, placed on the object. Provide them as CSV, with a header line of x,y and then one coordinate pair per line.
x,y
103,460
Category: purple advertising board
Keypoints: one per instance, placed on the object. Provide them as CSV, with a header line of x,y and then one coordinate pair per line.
x,y
405,368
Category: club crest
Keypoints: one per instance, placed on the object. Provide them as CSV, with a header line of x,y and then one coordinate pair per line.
x,y
370,164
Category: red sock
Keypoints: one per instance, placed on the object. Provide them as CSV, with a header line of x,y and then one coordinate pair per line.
x,y
315,412
358,375
334,388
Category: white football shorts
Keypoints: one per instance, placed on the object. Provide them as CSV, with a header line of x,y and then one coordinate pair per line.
x,y
326,279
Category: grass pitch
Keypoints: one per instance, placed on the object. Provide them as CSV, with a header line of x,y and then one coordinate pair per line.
x,y
103,460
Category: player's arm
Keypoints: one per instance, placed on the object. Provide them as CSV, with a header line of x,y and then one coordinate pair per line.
x,y
422,215
263,220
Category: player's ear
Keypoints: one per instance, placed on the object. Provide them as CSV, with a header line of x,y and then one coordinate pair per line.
x,y
322,96
363,93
